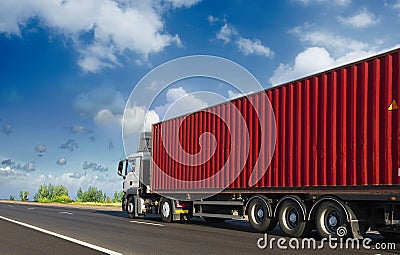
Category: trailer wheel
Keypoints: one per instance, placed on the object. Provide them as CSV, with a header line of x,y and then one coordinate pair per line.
x,y
331,220
130,207
166,210
258,216
291,219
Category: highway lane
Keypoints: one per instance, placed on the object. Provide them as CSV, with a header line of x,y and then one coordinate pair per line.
x,y
112,230
16,239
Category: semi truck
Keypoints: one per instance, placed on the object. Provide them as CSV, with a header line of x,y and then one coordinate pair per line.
x,y
335,157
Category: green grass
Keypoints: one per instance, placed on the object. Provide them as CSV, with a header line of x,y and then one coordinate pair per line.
x,y
96,204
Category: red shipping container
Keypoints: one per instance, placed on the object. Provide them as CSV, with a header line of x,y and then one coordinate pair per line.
x,y
333,129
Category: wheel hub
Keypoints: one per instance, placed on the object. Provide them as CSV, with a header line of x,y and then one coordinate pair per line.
x,y
260,213
130,207
332,221
165,209
293,217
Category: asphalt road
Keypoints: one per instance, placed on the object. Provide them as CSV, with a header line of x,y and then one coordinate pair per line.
x,y
112,230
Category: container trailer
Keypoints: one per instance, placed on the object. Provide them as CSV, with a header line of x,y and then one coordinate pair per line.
x,y
334,162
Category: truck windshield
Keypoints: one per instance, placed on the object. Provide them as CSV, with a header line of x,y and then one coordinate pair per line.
x,y
134,165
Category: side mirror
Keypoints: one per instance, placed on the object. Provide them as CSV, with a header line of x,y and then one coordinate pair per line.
x,y
121,167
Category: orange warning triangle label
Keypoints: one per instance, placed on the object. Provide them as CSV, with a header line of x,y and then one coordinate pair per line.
x,y
393,106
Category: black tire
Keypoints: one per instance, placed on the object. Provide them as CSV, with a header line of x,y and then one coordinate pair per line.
x,y
166,210
130,207
291,219
258,216
330,220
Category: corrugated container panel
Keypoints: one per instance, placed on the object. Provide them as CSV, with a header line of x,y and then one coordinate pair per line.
x,y
332,129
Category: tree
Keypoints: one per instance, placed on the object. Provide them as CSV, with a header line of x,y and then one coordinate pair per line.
x,y
51,193
79,194
23,195
92,195
117,197
26,194
11,198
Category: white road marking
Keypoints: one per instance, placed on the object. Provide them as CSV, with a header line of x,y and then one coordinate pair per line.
x,y
10,206
30,208
147,223
69,213
89,245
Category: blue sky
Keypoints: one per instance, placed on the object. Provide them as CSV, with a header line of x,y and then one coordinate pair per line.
x,y
68,67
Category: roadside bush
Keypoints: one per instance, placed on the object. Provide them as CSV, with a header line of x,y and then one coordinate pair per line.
x,y
91,195
23,195
42,200
50,193
12,198
62,199
117,198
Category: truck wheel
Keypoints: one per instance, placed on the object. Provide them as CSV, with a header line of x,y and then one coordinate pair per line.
x,y
291,219
331,220
258,216
166,210
130,207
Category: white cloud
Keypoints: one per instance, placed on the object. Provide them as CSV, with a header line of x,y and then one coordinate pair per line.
x,y
76,129
354,55
96,57
332,2
106,117
211,19
150,119
7,171
332,41
100,98
313,60
307,62
226,32
233,95
361,19
179,102
324,50
133,119
77,175
112,27
183,3
336,44
249,47
137,120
